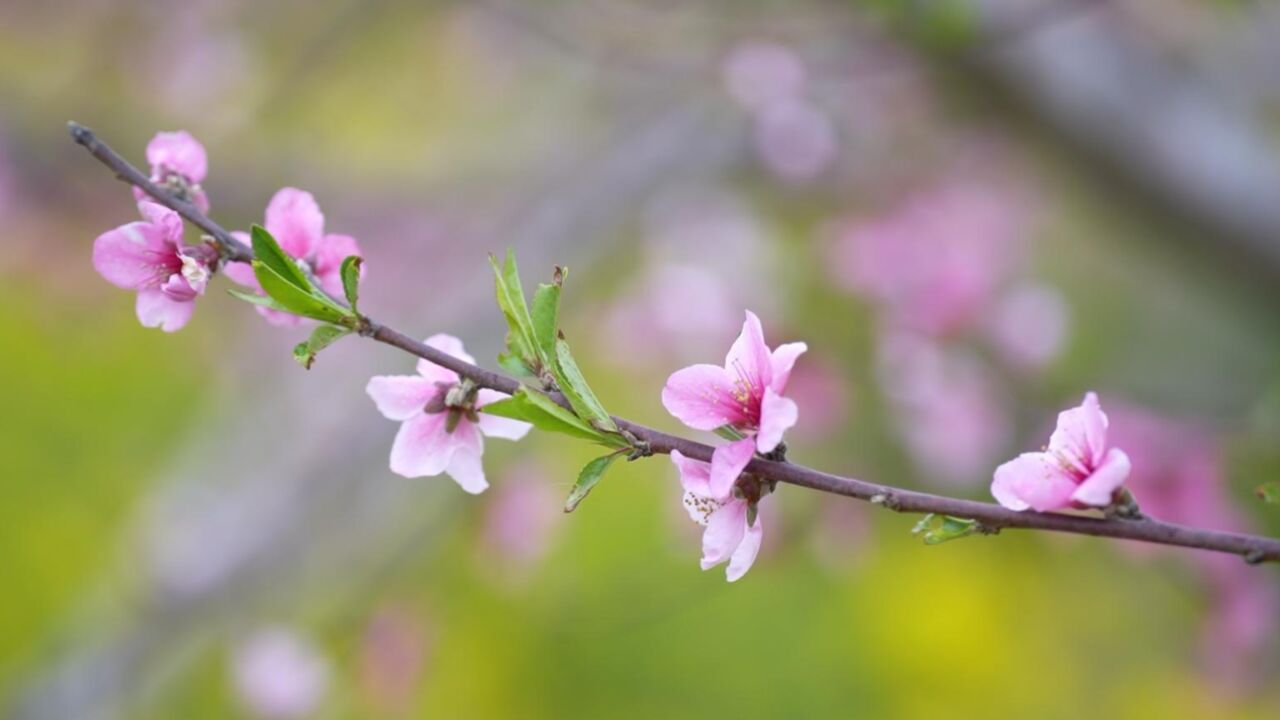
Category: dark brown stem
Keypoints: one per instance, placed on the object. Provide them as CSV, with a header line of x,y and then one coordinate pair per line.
x,y
1253,548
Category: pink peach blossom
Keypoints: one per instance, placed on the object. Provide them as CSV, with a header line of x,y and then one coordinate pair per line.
x,y
148,256
745,394
280,675
730,531
178,163
436,436
1076,470
294,219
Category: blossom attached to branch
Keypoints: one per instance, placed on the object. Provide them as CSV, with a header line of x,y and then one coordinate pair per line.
x,y
733,528
441,430
178,164
1077,470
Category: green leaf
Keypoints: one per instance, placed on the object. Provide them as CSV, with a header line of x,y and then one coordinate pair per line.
x,y
510,295
267,251
256,299
514,365
587,479
542,412
321,338
351,279
935,529
294,299
546,317
578,392
1269,493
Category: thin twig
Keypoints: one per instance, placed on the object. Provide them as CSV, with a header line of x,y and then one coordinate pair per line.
x,y
1253,548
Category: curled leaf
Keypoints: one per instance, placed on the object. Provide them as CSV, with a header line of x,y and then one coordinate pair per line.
x,y
588,478
935,529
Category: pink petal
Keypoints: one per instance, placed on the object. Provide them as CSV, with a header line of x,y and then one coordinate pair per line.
x,y
745,556
783,359
133,256
465,467
727,463
167,221
725,530
295,220
178,288
422,448
400,397
1036,479
1098,488
1081,434
749,358
178,152
695,475
777,415
241,274
333,249
1002,491
701,396
495,426
155,309
280,319
449,345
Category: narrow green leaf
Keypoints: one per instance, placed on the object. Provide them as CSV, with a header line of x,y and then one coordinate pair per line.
x,y
256,299
321,338
267,251
588,479
546,317
542,412
514,365
935,529
1269,493
510,295
351,279
578,392
294,299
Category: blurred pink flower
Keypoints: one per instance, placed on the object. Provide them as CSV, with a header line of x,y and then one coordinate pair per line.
x,y
935,262
746,394
440,433
819,386
1077,470
795,139
178,163
522,518
1029,326
731,532
149,257
279,675
685,305
758,73
295,220
393,654
946,405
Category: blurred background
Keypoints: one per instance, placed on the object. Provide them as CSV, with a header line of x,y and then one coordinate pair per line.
x,y
972,210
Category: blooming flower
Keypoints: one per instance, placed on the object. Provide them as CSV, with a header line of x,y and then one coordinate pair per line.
x,y
1076,470
148,256
279,675
178,163
745,394
733,532
295,220
441,430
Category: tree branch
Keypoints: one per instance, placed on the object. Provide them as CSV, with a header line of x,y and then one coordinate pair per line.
x,y
1253,548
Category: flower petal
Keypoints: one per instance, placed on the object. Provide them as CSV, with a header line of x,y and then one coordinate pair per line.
x,y
400,397
727,463
155,309
695,475
1002,491
701,396
168,222
777,415
1098,488
495,426
133,256
749,358
330,253
1081,434
422,448
295,220
179,153
745,556
448,345
1036,479
783,359
241,274
725,530
465,467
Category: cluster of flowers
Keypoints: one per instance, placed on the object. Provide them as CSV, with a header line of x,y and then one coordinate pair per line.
x,y
442,426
